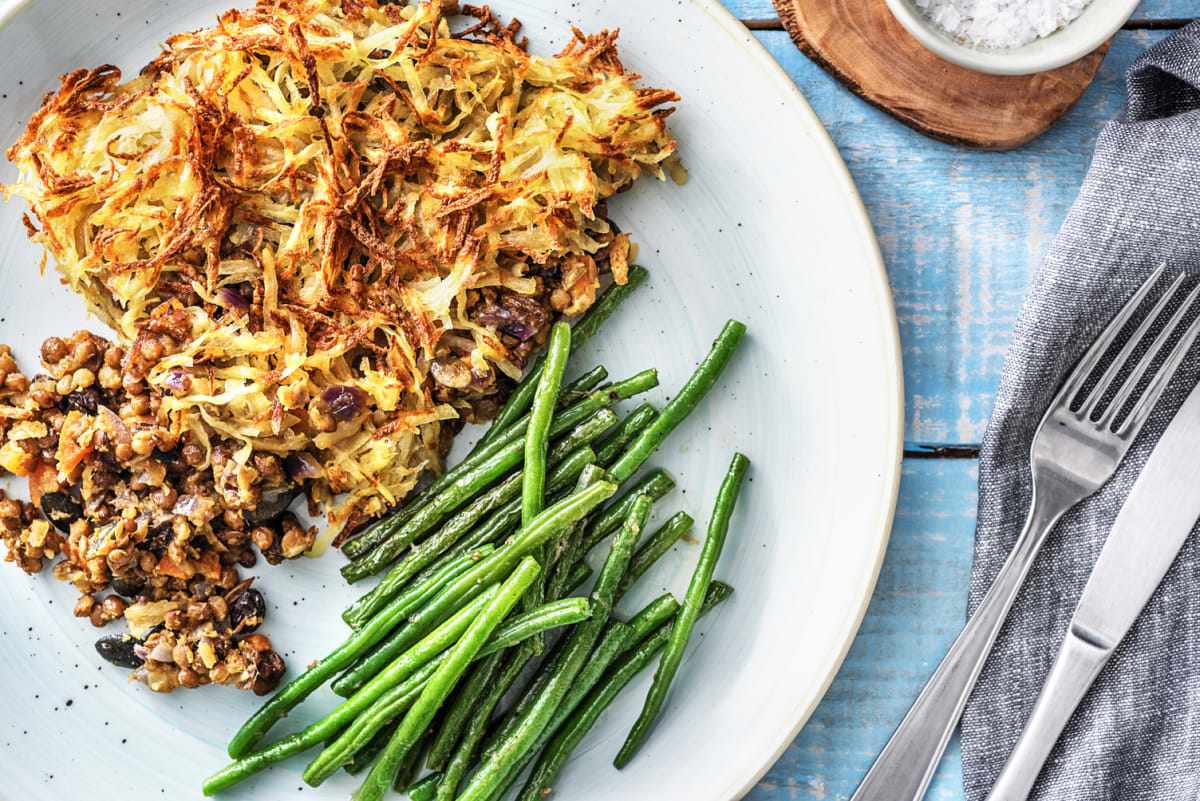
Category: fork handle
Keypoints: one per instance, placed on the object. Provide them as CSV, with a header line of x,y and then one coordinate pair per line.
x,y
1078,663
904,768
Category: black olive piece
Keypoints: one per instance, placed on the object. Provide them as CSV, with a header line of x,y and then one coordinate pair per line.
x,y
110,460
82,400
128,585
173,456
270,665
158,538
118,649
61,509
274,502
246,613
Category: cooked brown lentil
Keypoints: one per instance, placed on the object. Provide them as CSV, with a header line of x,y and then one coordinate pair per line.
x,y
123,502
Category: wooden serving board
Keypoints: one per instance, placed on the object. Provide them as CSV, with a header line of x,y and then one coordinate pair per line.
x,y
861,44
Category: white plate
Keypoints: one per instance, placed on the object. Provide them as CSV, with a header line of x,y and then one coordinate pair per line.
x,y
769,229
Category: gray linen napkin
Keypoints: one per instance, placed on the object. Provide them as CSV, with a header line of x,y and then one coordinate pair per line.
x,y
1137,734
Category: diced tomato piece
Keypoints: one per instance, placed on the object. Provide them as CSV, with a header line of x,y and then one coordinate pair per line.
x,y
43,479
75,442
168,567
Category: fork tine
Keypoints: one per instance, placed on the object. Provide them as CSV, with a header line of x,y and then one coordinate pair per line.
x,y
1093,355
1145,404
1118,363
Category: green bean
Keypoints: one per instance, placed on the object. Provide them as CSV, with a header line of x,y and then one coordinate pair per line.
x,y
718,528
434,512
364,757
392,683
533,479
517,630
568,456
616,641
506,519
383,528
651,616
613,644
458,715
656,545
472,738
655,484
630,427
579,574
587,325
563,421
442,683
397,610
499,766
507,516
683,403
425,788
407,770
561,557
563,582
520,628
397,646
578,389
580,722
537,435
548,524
552,615
522,396
599,399
513,716
372,720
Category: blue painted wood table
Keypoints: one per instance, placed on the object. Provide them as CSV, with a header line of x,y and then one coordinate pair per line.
x,y
961,231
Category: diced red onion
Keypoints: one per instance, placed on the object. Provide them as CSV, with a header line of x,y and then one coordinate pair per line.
x,y
231,299
195,508
177,380
483,379
506,322
301,465
111,423
185,505
160,653
345,403
521,331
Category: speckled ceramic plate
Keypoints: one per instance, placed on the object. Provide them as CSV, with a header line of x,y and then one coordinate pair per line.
x,y
769,229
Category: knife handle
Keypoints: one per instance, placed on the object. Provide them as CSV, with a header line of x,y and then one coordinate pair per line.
x,y
1079,661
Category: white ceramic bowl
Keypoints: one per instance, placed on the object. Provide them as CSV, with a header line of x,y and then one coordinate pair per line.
x,y
1085,33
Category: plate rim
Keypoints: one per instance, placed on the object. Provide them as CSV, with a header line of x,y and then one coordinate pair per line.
x,y
788,91
791,94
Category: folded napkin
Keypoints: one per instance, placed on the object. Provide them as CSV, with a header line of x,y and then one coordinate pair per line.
x,y
1137,734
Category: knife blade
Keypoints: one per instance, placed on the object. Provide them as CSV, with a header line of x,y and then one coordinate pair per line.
x,y
1160,512
1151,528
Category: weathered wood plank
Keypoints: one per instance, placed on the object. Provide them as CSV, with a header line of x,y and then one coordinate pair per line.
x,y
918,607
960,230
1148,11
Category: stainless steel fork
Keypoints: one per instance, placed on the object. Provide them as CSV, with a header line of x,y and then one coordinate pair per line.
x,y
1075,450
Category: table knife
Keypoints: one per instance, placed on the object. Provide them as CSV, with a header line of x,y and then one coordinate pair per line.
x,y
1160,512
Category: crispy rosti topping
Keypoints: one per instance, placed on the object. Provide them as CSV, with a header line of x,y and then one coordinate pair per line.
x,y
293,219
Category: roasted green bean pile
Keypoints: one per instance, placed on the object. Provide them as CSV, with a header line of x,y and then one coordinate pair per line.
x,y
480,567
